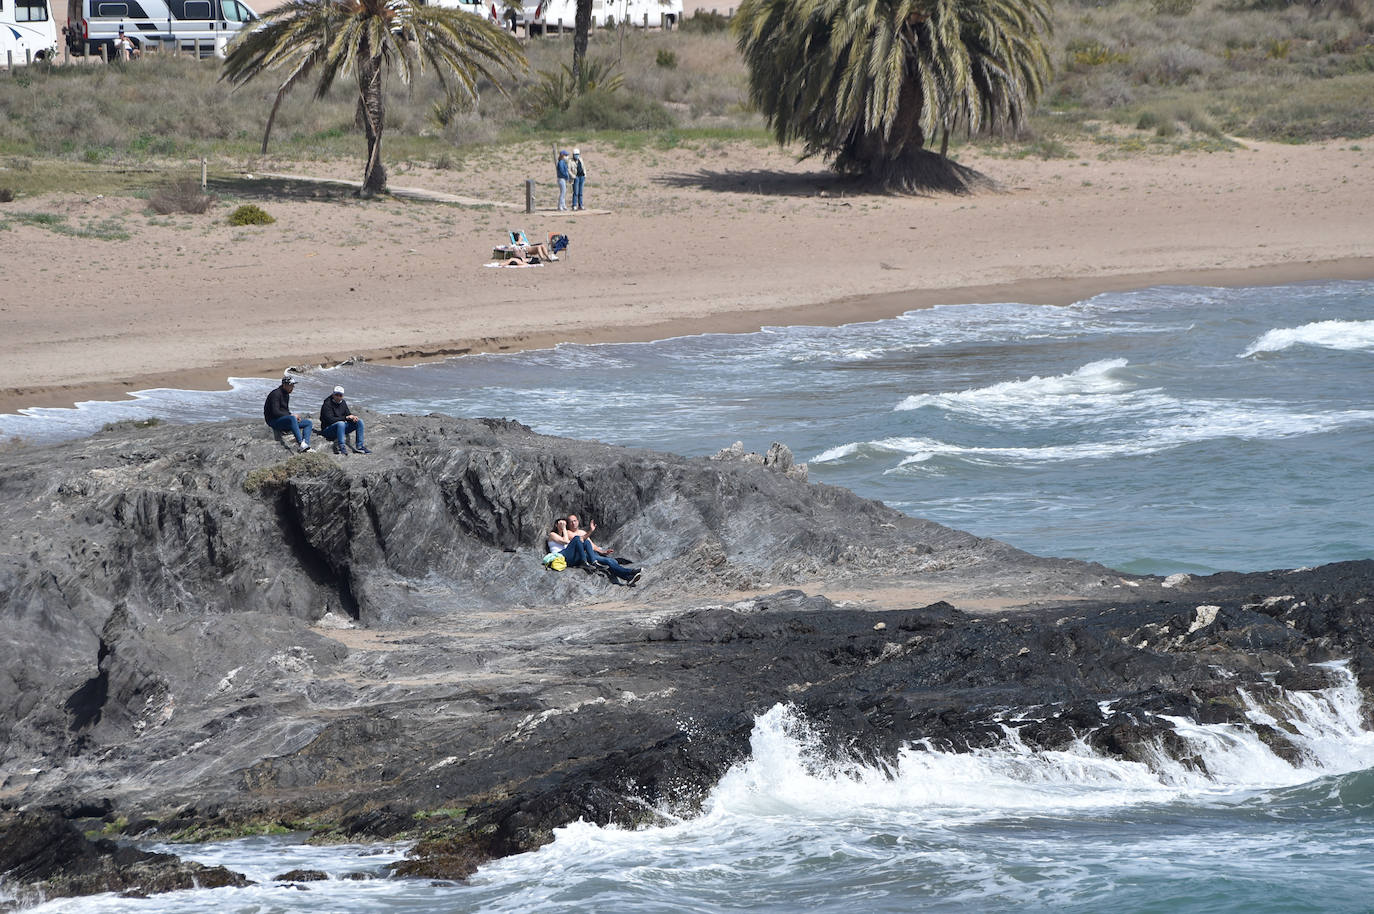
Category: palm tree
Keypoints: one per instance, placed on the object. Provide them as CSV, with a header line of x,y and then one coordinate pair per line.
x,y
870,82
582,26
368,37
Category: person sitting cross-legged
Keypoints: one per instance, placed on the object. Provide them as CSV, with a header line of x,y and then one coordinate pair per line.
x,y
276,412
338,423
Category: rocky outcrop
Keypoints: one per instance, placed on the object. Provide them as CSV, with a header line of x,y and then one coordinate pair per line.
x,y
202,631
42,856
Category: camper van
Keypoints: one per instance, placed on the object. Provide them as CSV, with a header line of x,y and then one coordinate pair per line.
x,y
199,26
538,14
27,31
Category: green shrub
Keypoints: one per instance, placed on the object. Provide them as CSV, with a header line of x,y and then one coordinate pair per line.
x,y
603,110
250,214
1172,7
1148,121
152,422
705,23
6,195
666,59
311,464
1087,54
556,89
1278,49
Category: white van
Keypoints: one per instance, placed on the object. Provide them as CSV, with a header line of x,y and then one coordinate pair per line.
x,y
27,31
199,26
539,14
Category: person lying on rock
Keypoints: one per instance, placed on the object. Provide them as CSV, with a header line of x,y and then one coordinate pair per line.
x,y
337,422
276,412
576,547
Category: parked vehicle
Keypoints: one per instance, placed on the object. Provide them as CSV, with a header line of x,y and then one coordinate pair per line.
x,y
198,26
27,31
536,15
484,9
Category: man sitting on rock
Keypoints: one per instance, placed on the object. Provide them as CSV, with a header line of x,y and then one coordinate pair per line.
x,y
337,422
276,412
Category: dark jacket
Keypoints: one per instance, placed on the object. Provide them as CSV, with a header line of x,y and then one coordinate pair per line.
x,y
331,412
278,404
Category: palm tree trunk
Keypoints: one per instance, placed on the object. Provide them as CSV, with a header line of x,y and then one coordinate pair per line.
x,y
281,93
373,111
582,27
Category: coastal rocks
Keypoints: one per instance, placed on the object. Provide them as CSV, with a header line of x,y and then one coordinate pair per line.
x,y
43,856
778,457
202,634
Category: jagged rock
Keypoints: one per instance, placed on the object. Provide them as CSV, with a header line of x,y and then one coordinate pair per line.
x,y
301,876
779,457
43,856
199,633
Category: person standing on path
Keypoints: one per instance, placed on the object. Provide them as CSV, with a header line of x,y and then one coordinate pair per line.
x,y
564,175
579,173
276,412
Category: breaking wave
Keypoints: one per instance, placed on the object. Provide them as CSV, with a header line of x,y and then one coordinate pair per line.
x,y
1346,335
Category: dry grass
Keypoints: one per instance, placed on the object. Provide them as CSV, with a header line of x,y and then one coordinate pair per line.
x,y
1188,70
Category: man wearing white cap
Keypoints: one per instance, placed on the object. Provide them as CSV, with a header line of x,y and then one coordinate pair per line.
x,y
337,422
579,173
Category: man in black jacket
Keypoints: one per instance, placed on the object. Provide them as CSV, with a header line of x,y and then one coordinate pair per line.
x,y
276,412
338,422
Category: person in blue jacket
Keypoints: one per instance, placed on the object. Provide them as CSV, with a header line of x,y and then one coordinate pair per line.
x,y
564,175
276,412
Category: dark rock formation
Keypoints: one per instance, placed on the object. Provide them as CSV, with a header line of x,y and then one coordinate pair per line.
x,y
201,633
43,856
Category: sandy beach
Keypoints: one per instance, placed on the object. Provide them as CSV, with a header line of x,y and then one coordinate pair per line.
x,y
713,237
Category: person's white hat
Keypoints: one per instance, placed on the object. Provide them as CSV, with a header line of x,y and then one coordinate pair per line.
x,y
287,379
338,390
577,152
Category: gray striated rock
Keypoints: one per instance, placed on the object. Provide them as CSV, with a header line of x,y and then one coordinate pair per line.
x,y
201,631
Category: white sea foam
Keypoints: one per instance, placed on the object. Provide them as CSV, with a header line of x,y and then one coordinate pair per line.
x,y
1168,424
1092,381
1345,335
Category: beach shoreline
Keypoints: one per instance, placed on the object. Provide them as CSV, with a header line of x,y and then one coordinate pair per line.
x,y
878,306
716,238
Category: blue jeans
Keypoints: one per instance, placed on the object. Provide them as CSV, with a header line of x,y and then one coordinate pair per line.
x,y
577,191
580,552
562,193
338,431
288,423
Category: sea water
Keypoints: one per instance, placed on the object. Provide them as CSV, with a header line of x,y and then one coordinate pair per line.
x,y
1003,829
1162,430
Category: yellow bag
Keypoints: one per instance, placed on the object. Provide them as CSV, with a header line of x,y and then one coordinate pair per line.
x,y
558,563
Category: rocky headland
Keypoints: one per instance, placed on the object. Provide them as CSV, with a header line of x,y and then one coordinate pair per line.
x,y
204,634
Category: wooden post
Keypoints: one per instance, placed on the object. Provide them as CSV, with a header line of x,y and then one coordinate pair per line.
x,y
529,195
203,164
66,53
9,61
646,22
28,57
104,52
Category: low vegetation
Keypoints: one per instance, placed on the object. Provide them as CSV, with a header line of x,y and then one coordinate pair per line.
x,y
272,478
1130,76
250,214
183,195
